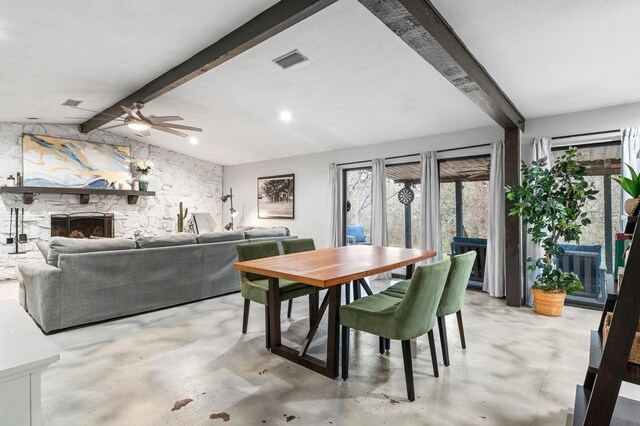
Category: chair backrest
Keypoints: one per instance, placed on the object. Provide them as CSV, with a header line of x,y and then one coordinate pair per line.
x,y
453,294
252,251
417,311
298,245
358,232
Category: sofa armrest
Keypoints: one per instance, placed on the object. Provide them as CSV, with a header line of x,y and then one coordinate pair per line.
x,y
41,284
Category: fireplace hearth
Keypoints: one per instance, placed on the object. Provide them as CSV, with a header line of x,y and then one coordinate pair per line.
x,y
82,225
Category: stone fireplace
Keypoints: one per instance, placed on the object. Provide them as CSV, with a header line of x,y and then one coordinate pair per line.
x,y
82,225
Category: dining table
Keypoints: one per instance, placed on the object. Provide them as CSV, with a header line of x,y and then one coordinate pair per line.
x,y
329,269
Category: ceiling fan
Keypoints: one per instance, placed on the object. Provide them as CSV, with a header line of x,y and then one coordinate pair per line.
x,y
141,124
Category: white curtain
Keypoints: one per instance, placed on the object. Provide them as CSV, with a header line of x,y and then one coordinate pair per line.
x,y
379,208
430,238
334,234
630,149
494,276
540,148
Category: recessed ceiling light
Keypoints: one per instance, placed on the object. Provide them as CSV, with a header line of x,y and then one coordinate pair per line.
x,y
285,116
194,141
33,118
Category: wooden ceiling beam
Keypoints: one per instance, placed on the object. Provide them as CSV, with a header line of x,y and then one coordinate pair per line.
x,y
272,21
419,24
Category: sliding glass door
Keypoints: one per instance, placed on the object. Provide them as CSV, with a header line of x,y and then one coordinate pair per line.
x,y
357,185
464,209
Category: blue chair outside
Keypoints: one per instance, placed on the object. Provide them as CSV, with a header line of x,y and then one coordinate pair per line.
x,y
586,262
356,235
462,245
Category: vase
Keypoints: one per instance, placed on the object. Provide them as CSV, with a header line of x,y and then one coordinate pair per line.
x,y
549,303
143,181
630,205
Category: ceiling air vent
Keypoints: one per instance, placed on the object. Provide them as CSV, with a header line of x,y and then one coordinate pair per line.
x,y
290,59
71,103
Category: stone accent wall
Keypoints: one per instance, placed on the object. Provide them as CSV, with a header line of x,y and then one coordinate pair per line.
x,y
175,177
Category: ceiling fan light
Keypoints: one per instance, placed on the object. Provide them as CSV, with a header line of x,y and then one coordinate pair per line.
x,y
138,126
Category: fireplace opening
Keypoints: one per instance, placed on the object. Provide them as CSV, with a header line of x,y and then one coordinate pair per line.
x,y
82,225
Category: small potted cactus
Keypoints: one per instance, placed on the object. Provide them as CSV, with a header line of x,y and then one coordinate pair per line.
x,y
181,217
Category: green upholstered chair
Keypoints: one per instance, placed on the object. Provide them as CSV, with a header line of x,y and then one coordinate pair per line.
x,y
297,245
452,297
399,318
254,287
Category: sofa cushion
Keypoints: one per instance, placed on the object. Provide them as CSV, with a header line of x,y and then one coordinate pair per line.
x,y
216,237
63,245
276,231
43,246
167,240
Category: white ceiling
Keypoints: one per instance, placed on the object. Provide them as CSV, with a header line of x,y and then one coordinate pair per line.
x,y
362,85
100,50
552,57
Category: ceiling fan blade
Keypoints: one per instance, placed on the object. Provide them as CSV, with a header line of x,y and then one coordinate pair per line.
x,y
143,133
112,127
166,118
173,132
180,126
130,112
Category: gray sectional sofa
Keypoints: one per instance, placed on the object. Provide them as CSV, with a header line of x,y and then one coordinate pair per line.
x,y
83,281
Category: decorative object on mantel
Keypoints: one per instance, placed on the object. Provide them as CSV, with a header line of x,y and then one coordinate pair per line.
x,y
144,167
563,191
276,197
66,163
11,181
19,179
84,193
232,211
181,217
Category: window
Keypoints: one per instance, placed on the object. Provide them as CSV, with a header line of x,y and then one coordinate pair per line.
x,y
358,208
464,209
593,257
404,196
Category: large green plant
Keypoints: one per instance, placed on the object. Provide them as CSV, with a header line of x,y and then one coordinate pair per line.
x,y
551,202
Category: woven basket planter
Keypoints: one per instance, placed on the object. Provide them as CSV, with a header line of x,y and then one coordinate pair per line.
x,y
634,355
549,303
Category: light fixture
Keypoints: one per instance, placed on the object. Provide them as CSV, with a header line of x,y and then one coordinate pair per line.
x,y
285,116
232,211
138,126
194,141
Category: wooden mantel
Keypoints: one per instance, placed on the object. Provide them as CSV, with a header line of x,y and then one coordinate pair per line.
x,y
84,193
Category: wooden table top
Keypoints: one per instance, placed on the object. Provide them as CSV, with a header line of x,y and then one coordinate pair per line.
x,y
334,266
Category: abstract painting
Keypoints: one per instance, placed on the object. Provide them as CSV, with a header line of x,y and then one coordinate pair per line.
x,y
276,197
68,163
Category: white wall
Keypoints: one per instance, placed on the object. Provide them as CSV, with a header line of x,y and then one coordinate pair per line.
x,y
594,120
175,177
311,192
311,178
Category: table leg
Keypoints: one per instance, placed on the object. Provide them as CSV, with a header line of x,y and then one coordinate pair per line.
x,y
409,272
333,334
365,286
274,312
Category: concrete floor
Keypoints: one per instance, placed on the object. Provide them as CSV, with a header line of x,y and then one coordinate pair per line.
x,y
519,368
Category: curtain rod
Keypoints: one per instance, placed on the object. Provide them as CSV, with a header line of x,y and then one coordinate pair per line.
x,y
413,155
585,134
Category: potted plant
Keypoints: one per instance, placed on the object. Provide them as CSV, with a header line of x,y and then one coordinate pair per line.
x,y
632,187
551,202
144,167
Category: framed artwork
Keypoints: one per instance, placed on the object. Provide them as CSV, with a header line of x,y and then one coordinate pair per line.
x,y
276,197
67,163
